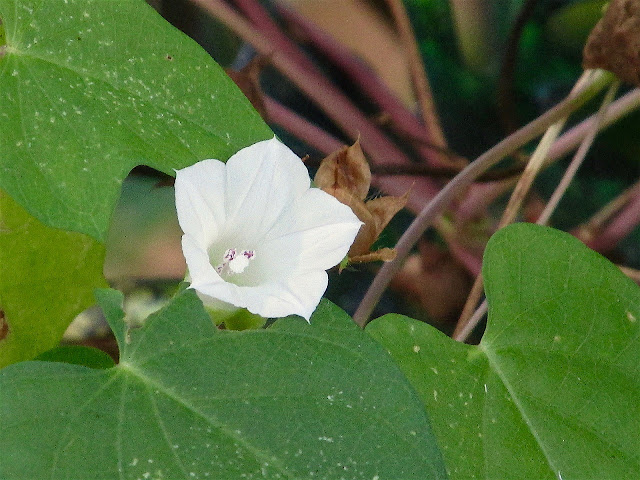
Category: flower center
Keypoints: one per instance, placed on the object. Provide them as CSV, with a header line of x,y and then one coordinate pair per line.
x,y
234,262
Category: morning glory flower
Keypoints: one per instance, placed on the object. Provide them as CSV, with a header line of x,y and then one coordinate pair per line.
x,y
256,236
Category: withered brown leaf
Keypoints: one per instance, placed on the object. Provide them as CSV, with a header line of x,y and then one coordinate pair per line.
x,y
345,169
614,43
346,175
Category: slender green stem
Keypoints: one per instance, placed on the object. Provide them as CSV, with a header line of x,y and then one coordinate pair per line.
x,y
578,158
463,180
517,198
461,334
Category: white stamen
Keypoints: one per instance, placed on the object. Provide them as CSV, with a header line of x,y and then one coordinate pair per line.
x,y
234,263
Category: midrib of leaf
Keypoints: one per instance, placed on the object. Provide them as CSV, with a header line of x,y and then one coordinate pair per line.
x,y
495,366
140,361
150,384
165,433
583,427
70,422
120,465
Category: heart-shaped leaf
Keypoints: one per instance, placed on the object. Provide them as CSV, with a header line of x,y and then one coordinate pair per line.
x,y
91,88
552,390
187,401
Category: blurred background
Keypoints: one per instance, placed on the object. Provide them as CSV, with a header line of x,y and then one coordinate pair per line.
x,y
492,66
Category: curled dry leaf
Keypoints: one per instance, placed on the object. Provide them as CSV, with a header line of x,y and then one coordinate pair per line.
x,y
345,174
378,213
614,43
345,171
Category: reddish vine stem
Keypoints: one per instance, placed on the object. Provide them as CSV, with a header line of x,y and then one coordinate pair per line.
x,y
461,181
464,329
326,143
522,188
264,24
418,75
339,108
300,127
589,230
618,228
401,119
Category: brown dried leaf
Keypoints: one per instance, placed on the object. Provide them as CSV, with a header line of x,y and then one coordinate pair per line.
x,y
367,234
614,43
383,209
345,174
248,81
375,214
346,169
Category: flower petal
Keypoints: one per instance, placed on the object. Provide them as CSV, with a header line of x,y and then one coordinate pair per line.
x,y
260,201
292,295
315,234
205,279
261,181
198,264
200,200
300,296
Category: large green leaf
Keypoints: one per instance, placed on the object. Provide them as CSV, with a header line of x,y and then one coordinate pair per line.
x,y
186,401
91,88
47,277
552,390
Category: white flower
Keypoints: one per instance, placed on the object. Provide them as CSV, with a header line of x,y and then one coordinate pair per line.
x,y
256,235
